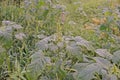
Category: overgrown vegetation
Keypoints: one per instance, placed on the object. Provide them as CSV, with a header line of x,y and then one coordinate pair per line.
x,y
59,40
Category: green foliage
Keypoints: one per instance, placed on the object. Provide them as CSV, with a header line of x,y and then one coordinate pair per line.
x,y
98,66
59,40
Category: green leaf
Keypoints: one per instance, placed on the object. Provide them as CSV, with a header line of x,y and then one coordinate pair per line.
x,y
87,71
103,27
80,66
42,45
38,63
52,47
104,63
74,50
116,57
104,53
82,42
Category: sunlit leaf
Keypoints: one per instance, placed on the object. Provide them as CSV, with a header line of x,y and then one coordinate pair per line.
x,y
20,36
87,73
38,62
104,53
42,44
74,50
82,42
116,57
52,47
103,62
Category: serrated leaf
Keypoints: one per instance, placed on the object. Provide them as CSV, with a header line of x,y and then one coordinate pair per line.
x,y
80,66
74,50
87,73
6,32
80,39
104,53
104,63
87,59
116,57
41,36
82,42
42,45
72,43
60,44
38,62
37,55
20,36
52,47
